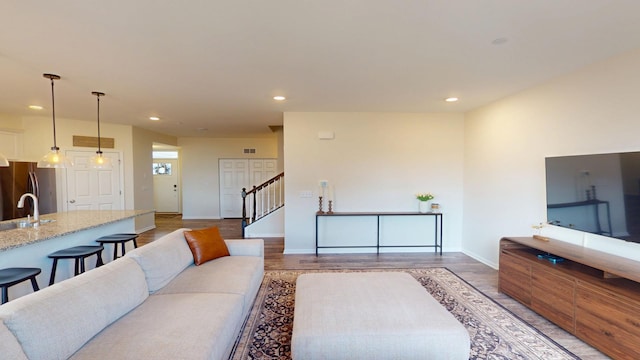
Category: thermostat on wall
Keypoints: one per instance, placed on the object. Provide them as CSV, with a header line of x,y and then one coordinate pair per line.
x,y
326,135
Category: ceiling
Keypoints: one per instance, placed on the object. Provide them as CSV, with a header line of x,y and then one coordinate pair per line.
x,y
216,65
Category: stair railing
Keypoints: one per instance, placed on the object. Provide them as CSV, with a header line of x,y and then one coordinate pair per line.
x,y
262,200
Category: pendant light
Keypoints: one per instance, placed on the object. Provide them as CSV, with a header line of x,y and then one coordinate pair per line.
x,y
54,159
98,161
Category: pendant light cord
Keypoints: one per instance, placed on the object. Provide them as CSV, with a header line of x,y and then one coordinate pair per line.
x,y
53,77
54,159
53,111
98,94
99,148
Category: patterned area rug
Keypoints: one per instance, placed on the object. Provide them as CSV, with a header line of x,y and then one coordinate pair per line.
x,y
495,332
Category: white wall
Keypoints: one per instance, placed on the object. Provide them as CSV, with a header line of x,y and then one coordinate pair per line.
x,y
10,122
37,137
376,162
135,144
280,140
200,180
269,226
594,110
142,172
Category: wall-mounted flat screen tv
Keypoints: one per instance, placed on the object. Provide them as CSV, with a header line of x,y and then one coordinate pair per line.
x,y
597,193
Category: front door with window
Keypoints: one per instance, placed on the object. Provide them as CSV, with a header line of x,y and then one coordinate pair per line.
x,y
166,189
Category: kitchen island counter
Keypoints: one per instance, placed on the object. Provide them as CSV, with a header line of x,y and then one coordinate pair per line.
x,y
64,223
30,247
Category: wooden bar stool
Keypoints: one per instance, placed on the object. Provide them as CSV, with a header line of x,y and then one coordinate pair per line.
x,y
116,239
13,276
79,253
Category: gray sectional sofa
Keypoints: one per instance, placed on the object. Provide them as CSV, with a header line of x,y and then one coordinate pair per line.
x,y
154,303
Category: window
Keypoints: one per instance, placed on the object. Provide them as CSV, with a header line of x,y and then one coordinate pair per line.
x,y
161,168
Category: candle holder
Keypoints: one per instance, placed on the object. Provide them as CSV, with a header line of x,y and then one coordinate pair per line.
x,y
330,207
319,212
435,208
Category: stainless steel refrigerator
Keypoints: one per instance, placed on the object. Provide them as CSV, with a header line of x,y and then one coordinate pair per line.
x,y
24,177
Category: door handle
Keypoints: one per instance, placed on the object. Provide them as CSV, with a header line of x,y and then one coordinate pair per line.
x,y
72,201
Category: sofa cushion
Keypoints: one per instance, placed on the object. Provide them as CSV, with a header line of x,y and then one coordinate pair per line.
x,y
163,259
240,275
206,244
175,326
9,346
56,321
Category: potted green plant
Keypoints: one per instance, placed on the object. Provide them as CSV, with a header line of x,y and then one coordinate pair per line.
x,y
423,201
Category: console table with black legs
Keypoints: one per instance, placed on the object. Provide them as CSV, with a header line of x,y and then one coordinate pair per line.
x,y
437,234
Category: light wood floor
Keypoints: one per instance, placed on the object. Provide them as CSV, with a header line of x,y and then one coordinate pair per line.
x,y
481,276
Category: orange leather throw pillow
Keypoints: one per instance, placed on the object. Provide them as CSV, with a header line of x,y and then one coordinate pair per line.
x,y
206,244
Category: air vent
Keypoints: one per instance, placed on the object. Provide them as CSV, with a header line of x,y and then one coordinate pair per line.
x,y
249,151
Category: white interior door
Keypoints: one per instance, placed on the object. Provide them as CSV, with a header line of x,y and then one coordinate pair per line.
x,y
236,174
261,170
94,189
166,187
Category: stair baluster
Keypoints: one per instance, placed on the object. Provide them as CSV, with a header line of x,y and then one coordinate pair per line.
x,y
270,196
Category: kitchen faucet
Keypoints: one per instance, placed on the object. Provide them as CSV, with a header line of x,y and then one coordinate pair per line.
x,y
36,212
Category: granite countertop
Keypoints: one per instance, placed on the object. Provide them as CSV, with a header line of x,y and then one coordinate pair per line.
x,y
65,223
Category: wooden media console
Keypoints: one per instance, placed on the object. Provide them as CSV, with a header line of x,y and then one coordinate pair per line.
x,y
589,293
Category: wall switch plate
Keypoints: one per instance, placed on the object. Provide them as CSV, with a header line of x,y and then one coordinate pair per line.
x,y
306,194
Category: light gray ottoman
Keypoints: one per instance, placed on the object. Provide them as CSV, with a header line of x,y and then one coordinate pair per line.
x,y
372,315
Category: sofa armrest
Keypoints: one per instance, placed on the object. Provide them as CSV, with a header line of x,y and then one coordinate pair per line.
x,y
245,247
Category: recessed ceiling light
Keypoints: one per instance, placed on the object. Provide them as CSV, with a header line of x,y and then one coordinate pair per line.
x,y
451,99
154,118
35,107
279,98
202,129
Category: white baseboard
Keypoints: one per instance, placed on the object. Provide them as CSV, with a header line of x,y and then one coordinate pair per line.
x,y
481,259
299,251
368,251
201,217
249,235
